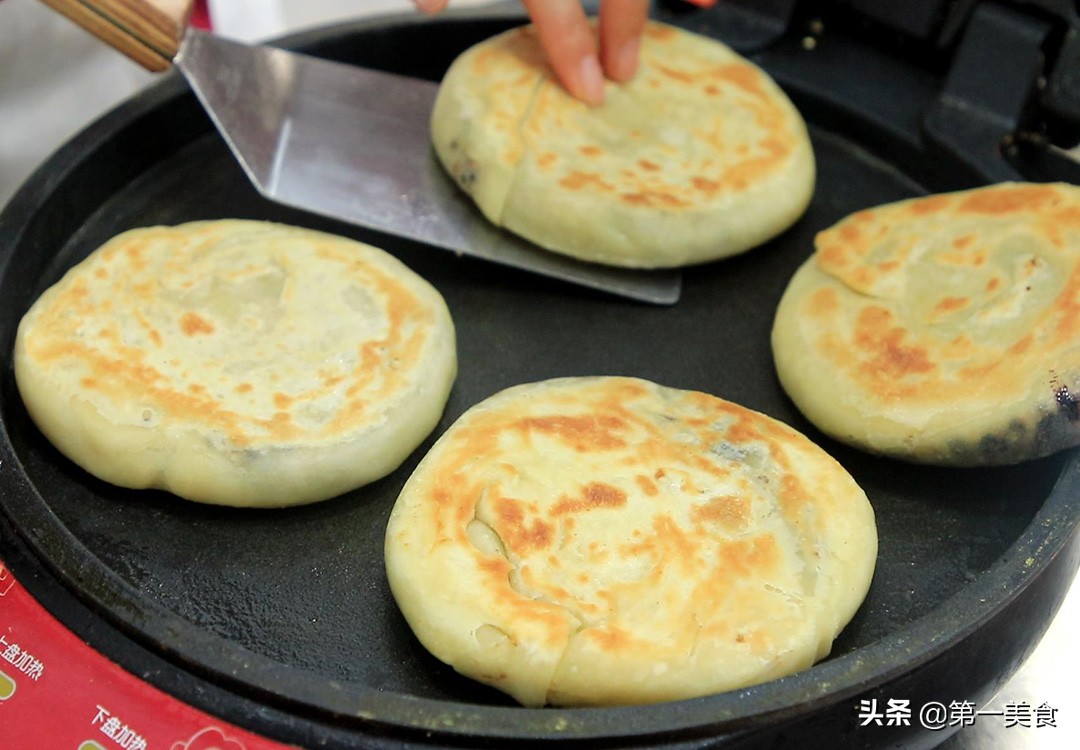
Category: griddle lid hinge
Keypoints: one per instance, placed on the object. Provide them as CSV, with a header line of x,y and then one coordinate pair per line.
x,y
990,93
942,23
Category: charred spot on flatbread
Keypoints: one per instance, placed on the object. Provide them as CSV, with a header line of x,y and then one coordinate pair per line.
x,y
601,541
699,157
942,329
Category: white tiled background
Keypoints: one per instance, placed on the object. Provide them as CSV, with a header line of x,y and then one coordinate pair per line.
x,y
54,79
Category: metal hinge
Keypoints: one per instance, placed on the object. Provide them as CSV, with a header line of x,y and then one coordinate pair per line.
x,y
989,94
1009,69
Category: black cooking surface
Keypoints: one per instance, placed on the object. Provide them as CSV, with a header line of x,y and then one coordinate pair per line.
x,y
292,605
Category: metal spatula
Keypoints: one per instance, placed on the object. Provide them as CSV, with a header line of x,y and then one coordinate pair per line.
x,y
336,140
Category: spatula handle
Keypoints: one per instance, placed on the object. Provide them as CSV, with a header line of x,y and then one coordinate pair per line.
x,y
147,31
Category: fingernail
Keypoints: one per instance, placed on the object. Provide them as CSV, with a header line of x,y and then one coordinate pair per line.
x,y
626,61
428,6
591,80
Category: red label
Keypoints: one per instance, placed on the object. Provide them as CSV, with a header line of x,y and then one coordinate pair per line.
x,y
57,692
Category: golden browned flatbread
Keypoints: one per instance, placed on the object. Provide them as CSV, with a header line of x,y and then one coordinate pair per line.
x,y
699,157
599,541
943,329
237,362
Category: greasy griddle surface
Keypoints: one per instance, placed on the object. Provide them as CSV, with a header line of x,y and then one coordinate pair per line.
x,y
305,587
294,603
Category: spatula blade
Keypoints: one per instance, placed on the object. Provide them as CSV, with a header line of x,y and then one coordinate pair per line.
x,y
353,144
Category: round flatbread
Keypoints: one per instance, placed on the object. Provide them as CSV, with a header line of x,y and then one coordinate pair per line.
x,y
699,157
943,329
600,541
237,362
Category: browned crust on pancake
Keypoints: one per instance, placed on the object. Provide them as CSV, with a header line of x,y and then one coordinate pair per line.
x,y
630,543
700,156
172,337
941,328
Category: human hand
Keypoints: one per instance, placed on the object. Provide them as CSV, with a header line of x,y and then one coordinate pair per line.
x,y
572,48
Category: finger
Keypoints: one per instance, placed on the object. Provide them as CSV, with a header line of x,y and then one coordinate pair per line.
x,y
568,42
430,6
621,24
